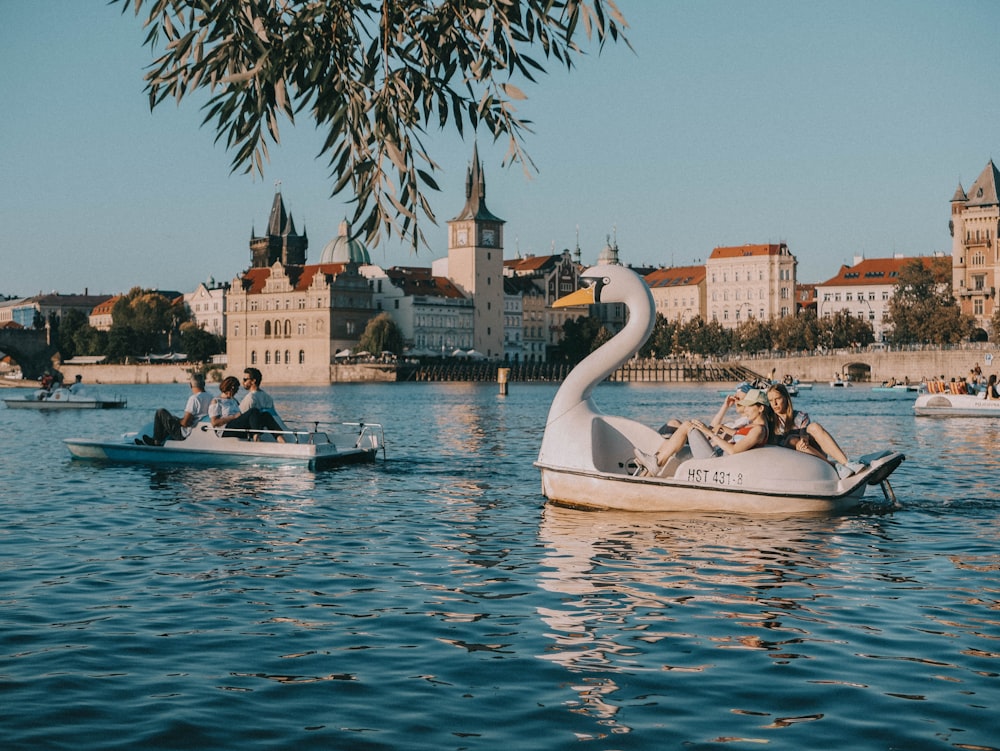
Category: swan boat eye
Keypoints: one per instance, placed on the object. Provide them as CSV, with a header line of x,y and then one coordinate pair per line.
x,y
597,283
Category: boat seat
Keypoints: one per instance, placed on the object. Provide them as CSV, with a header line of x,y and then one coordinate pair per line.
x,y
701,448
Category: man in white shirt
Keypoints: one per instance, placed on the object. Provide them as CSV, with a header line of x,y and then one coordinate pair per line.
x,y
166,425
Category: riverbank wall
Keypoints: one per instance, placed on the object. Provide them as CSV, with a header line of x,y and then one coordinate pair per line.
x,y
860,365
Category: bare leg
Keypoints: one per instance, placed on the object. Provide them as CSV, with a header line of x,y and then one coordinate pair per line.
x,y
826,442
674,443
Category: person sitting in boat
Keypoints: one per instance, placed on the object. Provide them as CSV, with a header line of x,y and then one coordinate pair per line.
x,y
794,430
752,435
77,386
990,392
732,400
224,412
256,397
166,425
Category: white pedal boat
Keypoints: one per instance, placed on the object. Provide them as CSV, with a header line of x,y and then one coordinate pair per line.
x,y
586,458
351,443
955,405
64,399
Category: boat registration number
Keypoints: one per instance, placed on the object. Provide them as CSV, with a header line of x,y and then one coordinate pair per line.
x,y
715,477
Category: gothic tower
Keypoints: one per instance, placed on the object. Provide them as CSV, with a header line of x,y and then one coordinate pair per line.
x,y
475,261
975,230
281,242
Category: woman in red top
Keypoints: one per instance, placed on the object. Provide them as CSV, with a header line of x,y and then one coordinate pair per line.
x,y
755,408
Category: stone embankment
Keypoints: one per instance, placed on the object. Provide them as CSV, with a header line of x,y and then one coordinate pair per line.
x,y
861,365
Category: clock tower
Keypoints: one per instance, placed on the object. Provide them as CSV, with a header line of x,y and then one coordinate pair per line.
x,y
475,261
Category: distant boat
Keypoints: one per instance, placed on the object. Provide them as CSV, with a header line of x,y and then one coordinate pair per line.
x,y
61,398
955,405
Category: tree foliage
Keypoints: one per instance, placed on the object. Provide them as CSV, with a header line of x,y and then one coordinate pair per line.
x,y
923,310
373,76
381,335
581,336
199,345
144,322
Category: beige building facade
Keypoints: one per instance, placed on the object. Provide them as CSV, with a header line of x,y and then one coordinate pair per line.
x,y
679,292
750,281
975,227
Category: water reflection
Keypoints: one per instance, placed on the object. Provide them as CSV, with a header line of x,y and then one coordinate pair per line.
x,y
634,586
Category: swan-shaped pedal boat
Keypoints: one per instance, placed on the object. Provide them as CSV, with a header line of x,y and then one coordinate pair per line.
x,y
587,458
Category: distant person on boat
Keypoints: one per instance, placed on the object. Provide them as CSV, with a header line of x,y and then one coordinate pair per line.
x,y
794,430
224,412
166,425
77,386
752,435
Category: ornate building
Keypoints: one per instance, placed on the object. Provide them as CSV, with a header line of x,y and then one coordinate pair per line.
x,y
975,257
475,262
289,319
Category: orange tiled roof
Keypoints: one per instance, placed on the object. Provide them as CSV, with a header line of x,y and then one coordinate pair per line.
x,y
418,280
740,251
531,263
676,276
874,271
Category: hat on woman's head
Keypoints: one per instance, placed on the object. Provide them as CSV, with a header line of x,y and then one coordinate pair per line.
x,y
754,396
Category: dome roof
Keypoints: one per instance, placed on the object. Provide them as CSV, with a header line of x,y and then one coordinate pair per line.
x,y
342,249
609,256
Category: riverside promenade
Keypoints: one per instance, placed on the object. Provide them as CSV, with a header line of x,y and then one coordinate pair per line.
x,y
863,365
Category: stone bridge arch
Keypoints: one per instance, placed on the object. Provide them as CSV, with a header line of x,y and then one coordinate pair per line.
x,y
30,348
857,370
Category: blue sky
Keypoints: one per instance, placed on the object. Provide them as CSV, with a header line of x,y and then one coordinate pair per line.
x,y
839,128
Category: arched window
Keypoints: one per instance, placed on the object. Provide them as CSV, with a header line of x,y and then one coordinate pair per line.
x,y
288,328
288,357
302,357
277,329
277,357
267,328
253,357
267,357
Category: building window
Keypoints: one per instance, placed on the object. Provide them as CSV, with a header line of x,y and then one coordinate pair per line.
x,y
267,329
302,357
267,357
288,357
253,357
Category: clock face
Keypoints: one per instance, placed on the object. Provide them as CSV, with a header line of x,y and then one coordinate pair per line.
x,y
488,237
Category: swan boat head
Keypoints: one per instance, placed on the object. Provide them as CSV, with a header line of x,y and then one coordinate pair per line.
x,y
570,429
586,457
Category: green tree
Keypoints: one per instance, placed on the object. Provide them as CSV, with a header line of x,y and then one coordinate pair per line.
x,y
796,333
752,335
373,76
844,330
923,310
581,336
661,340
199,345
381,335
708,338
70,324
143,322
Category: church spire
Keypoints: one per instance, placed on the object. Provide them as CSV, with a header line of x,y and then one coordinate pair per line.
x,y
475,192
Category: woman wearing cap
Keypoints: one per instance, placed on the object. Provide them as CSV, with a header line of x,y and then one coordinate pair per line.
x,y
755,433
794,430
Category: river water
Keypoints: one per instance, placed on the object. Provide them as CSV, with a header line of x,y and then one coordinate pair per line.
x,y
433,601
